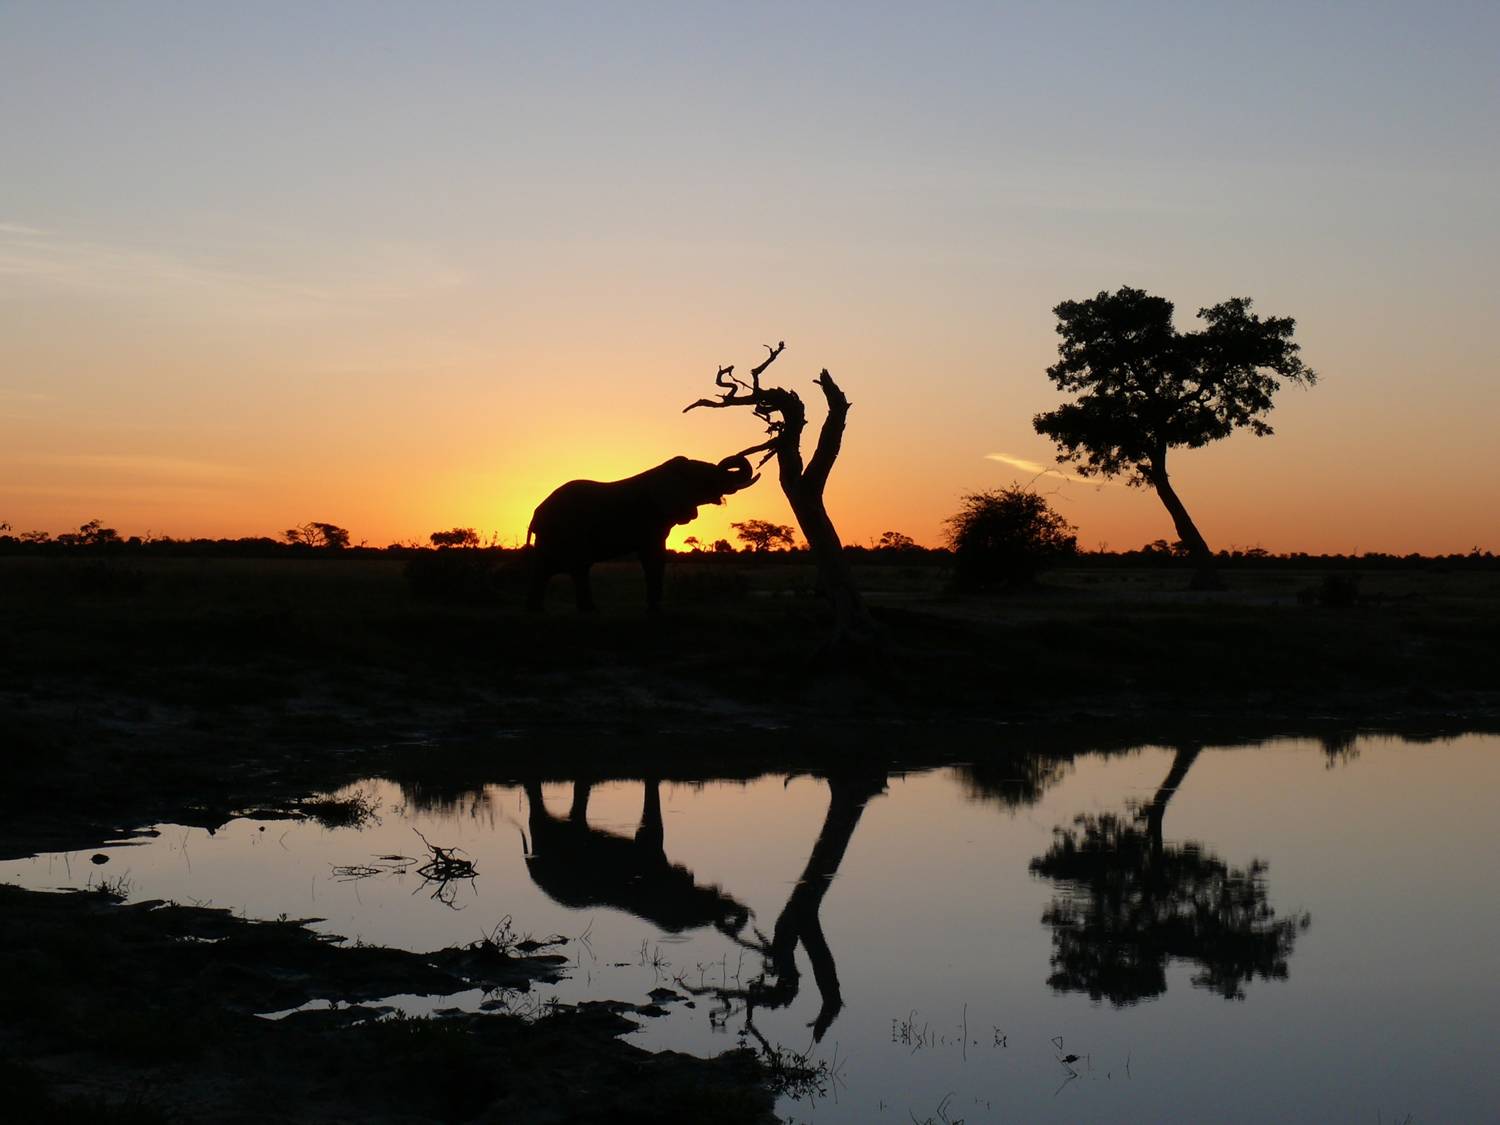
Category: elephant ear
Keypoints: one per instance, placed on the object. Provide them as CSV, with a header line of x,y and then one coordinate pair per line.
x,y
669,487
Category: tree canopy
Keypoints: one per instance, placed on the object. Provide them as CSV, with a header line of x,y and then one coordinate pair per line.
x,y
317,534
763,535
1143,387
455,537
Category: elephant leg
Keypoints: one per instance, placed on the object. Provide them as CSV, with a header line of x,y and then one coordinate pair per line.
x,y
582,591
579,810
649,834
653,562
536,593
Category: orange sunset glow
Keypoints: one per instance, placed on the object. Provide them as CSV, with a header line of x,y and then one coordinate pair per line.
x,y
413,273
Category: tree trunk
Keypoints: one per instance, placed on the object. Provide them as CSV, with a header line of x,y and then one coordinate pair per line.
x,y
1205,576
799,920
1157,809
854,631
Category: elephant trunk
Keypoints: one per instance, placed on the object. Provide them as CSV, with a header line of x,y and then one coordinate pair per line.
x,y
737,473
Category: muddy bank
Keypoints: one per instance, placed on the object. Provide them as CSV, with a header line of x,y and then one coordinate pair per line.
x,y
146,1012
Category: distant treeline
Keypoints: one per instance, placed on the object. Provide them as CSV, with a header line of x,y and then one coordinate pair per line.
x,y
93,540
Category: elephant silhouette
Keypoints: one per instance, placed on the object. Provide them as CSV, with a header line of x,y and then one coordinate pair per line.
x,y
579,866
589,521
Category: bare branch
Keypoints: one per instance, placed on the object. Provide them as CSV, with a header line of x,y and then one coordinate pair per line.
x,y
756,372
715,403
830,437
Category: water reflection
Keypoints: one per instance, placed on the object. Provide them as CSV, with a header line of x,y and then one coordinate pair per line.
x,y
798,923
956,903
1015,781
1130,903
578,865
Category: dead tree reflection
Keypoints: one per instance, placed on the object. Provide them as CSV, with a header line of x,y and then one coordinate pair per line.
x,y
580,866
1130,904
798,923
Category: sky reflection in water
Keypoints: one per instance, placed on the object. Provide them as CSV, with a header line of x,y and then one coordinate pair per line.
x,y
1286,932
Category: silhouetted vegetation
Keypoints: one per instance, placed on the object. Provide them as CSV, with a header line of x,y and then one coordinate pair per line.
x,y
785,417
1004,537
455,537
896,541
328,536
763,535
1145,388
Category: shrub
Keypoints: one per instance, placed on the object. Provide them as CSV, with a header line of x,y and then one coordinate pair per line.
x,y
1003,538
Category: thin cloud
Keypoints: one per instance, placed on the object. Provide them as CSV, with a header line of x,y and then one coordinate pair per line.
x,y
1038,469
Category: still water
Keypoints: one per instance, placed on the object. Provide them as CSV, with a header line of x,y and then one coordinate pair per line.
x,y
1292,931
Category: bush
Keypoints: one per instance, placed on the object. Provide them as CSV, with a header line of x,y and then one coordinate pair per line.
x,y
1003,538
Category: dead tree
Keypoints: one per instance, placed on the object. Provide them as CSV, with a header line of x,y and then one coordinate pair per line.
x,y
785,417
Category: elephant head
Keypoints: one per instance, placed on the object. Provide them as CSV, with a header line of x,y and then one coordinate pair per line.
x,y
680,485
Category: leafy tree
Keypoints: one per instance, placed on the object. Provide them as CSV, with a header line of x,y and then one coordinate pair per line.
x,y
693,543
1144,388
1160,548
763,535
316,534
895,541
723,547
456,537
91,534
1003,538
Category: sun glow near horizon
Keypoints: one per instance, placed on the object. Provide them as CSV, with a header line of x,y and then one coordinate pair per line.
x,y
420,269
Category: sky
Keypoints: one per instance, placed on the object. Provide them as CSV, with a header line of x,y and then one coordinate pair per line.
x,y
403,267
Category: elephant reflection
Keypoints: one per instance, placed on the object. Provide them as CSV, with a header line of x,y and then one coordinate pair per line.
x,y
581,866
589,521
1129,903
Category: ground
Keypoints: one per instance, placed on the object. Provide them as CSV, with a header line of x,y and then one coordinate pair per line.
x,y
191,690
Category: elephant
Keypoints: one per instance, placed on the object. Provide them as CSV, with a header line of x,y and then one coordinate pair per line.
x,y
589,521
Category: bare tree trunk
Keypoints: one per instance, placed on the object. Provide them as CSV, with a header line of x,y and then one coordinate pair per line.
x,y
1206,576
786,418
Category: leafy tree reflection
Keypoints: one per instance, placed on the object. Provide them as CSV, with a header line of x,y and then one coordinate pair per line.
x,y
1131,903
1014,780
